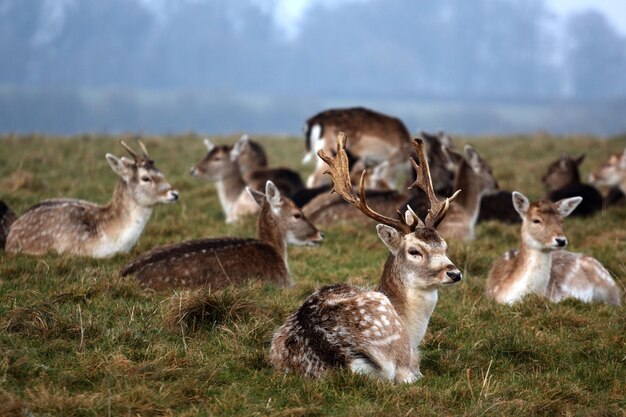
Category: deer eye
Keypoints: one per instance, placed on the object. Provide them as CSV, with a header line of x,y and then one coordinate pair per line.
x,y
145,178
536,221
297,216
414,252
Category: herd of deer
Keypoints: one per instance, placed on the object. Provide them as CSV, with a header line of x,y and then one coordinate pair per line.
x,y
376,332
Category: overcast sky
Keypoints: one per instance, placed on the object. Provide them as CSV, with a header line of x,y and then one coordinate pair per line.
x,y
614,9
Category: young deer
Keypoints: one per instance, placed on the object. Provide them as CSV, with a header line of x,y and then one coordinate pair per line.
x,y
563,181
226,261
374,332
220,165
541,267
612,174
82,228
253,166
374,136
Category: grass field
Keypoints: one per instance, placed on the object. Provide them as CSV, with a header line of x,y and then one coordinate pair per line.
x,y
78,340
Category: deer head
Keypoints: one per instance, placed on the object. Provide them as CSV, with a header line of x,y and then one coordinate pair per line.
x,y
419,253
249,154
542,221
286,217
220,161
612,172
562,172
145,182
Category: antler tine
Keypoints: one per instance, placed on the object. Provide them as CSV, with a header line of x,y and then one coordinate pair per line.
x,y
340,173
438,208
143,148
129,149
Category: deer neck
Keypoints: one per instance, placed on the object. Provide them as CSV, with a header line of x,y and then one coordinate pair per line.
x,y
414,306
269,231
229,187
531,273
121,222
468,181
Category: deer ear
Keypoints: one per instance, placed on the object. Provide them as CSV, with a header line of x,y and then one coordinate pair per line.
x,y
209,145
273,195
567,205
580,159
473,158
258,197
521,203
119,166
390,237
238,147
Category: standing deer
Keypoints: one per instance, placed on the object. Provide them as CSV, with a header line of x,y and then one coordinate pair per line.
x,y
219,262
373,136
82,228
612,174
253,166
541,267
374,332
563,181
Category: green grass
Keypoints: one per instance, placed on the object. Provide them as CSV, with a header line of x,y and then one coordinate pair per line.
x,y
78,340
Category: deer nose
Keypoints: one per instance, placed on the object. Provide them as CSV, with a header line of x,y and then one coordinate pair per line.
x,y
193,172
174,194
455,275
561,242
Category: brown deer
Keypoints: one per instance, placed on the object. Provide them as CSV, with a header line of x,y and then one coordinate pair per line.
x,y
373,136
252,161
220,262
562,180
612,174
374,332
475,177
541,267
82,228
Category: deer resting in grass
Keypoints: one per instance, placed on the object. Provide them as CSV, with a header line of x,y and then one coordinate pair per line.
x,y
373,136
220,262
374,332
562,180
542,267
82,228
612,174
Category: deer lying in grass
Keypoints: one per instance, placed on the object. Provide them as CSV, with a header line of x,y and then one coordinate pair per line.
x,y
475,177
82,228
220,262
221,165
541,267
373,136
253,166
563,181
612,174
374,332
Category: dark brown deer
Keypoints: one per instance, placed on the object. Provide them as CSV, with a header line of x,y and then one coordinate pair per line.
x,y
373,136
563,181
82,228
219,262
542,267
374,332
7,217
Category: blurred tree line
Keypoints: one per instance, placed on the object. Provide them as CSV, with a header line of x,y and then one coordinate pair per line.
x,y
392,48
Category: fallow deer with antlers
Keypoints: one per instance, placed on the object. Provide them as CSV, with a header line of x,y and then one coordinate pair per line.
x,y
82,228
219,262
374,332
542,267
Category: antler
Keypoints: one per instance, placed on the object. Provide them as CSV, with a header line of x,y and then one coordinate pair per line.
x,y
130,150
340,173
438,208
143,149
